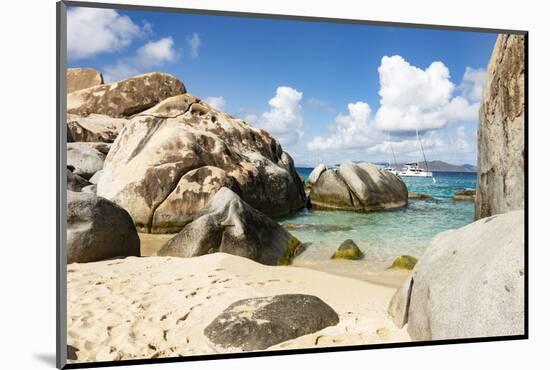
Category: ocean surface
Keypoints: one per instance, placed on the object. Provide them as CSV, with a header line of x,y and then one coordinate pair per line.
x,y
382,236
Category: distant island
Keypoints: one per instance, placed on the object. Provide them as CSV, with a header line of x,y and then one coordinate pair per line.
x,y
440,166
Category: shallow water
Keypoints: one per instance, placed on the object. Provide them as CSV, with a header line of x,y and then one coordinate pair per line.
x,y
384,235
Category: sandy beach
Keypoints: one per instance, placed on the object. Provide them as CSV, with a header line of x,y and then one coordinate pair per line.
x,y
159,306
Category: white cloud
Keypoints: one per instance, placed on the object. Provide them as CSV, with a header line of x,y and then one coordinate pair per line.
x,y
319,104
351,131
216,102
93,31
413,98
152,54
472,83
194,42
284,120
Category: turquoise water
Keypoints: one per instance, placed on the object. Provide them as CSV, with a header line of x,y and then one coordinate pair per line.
x,y
384,235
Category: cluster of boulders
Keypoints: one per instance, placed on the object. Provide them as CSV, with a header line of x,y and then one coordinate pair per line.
x,y
470,282
173,164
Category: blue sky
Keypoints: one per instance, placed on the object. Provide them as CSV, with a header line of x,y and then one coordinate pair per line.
x,y
324,90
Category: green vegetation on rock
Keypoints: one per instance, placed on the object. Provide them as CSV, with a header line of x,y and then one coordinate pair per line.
x,y
404,262
290,252
348,250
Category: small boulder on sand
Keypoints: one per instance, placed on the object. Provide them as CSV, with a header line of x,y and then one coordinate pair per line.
x,y
348,250
404,262
258,323
228,224
98,229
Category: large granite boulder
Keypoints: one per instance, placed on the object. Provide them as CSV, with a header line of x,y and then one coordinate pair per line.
x,y
124,98
93,128
85,160
501,152
98,229
358,187
258,323
227,224
82,78
469,283
181,152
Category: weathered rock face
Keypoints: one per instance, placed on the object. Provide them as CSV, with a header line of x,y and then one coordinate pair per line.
x,y
75,182
469,283
85,159
183,150
358,187
82,78
93,128
317,171
229,225
258,323
124,98
348,250
98,229
501,152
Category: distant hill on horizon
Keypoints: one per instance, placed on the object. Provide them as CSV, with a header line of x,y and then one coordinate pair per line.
x,y
440,166
434,166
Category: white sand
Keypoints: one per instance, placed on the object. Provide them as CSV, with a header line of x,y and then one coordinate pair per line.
x,y
159,306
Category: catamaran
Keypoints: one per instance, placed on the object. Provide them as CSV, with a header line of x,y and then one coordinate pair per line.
x,y
413,169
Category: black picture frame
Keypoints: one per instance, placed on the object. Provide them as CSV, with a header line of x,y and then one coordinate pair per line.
x,y
61,197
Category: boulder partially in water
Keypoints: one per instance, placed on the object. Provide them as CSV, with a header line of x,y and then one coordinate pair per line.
x,y
348,250
468,195
316,173
258,323
228,224
419,196
404,262
359,187
469,283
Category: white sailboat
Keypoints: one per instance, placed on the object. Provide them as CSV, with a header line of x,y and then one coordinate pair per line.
x,y
413,169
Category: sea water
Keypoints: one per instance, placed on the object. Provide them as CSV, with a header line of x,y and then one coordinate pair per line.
x,y
384,235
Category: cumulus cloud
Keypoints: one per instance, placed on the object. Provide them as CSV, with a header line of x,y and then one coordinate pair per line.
x,y
194,42
216,102
414,98
472,83
349,131
152,54
284,120
93,31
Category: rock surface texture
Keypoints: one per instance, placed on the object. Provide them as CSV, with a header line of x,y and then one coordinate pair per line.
x,y
98,229
168,161
93,128
85,159
82,78
501,152
124,98
358,187
469,283
258,323
230,225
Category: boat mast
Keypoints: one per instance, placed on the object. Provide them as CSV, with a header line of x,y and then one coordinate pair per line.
x,y
422,149
392,152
